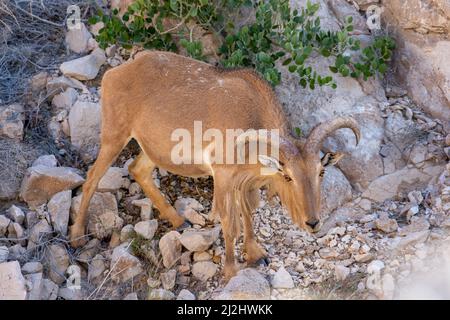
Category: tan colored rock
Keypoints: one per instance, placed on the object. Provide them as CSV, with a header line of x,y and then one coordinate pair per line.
x,y
84,123
85,68
48,160
421,29
41,183
60,84
77,38
125,266
16,214
248,284
58,261
103,214
11,121
39,232
199,240
112,180
386,225
401,182
66,99
146,229
170,247
59,210
204,270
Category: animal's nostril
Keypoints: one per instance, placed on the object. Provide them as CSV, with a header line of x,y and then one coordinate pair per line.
x,y
312,223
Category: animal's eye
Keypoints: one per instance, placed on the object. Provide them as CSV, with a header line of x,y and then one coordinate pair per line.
x,y
287,178
322,173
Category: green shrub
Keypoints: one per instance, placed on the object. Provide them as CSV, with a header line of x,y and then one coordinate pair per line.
x,y
278,32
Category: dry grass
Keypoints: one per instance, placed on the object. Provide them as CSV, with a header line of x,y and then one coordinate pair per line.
x,y
31,41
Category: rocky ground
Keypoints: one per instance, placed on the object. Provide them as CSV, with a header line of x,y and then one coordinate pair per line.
x,y
390,240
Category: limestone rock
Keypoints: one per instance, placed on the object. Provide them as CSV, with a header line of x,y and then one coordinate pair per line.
x,y
32,267
146,229
59,210
282,279
49,290
125,266
96,268
335,190
84,123
170,247
168,279
248,284
36,281
4,253
199,240
103,214
112,180
77,38
185,295
160,294
48,160
65,100
58,262
12,286
85,68
420,29
11,121
39,232
204,270
16,214
401,182
386,225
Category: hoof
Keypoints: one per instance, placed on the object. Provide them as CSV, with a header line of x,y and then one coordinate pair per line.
x,y
77,237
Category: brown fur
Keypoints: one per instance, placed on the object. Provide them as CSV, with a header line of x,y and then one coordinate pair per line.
x,y
146,99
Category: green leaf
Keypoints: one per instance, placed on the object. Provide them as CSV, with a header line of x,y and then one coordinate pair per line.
x,y
303,82
287,61
292,68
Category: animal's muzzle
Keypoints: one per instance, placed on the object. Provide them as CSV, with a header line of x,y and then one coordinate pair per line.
x,y
313,225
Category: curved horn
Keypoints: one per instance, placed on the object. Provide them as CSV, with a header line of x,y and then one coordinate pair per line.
x,y
319,133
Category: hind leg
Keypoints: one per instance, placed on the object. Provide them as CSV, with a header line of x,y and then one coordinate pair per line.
x,y
141,169
107,155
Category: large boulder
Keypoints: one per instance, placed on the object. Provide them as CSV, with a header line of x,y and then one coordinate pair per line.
x,y
307,108
400,183
103,214
421,28
41,183
84,123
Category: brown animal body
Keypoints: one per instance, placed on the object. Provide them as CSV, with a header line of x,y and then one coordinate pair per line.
x,y
159,92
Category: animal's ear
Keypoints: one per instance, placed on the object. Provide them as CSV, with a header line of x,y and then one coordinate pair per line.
x,y
330,159
271,165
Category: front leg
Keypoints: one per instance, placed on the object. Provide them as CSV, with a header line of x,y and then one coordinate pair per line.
x,y
224,207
